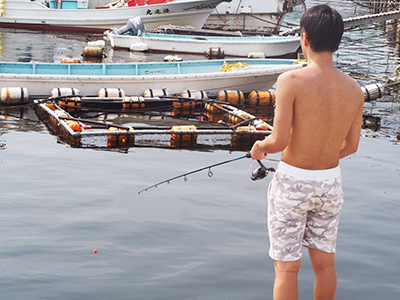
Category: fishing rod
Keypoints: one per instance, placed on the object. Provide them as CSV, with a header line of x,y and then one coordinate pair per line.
x,y
256,174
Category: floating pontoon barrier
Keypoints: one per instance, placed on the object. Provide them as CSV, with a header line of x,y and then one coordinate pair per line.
x,y
92,52
71,104
231,96
14,95
183,108
215,52
154,93
183,140
60,92
373,91
243,127
111,92
262,98
120,139
77,132
133,102
244,140
194,94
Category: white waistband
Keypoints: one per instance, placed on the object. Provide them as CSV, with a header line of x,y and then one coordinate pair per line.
x,y
309,174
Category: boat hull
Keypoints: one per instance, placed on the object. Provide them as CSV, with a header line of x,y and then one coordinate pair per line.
x,y
251,15
40,79
232,46
34,15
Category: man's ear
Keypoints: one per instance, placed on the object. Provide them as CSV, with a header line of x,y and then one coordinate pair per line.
x,y
305,39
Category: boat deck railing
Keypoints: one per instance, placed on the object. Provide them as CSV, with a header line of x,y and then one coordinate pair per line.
x,y
130,69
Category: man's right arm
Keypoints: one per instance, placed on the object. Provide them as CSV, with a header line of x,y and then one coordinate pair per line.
x,y
279,138
350,144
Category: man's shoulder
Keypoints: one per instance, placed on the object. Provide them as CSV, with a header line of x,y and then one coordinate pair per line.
x,y
292,75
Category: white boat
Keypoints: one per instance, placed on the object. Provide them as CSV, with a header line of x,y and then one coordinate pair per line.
x,y
211,76
82,16
133,35
251,15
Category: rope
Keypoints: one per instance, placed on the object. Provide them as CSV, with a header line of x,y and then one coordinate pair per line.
x,y
227,67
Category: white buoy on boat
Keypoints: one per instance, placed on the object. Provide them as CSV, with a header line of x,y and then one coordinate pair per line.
x,y
256,55
99,43
173,58
139,47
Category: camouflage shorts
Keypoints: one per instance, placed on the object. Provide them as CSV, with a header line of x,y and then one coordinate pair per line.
x,y
304,208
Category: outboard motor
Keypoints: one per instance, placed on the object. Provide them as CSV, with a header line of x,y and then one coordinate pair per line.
x,y
133,27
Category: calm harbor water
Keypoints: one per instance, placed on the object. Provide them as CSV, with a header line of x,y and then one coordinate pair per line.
x,y
201,239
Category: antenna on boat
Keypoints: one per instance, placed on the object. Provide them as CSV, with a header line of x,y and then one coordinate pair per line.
x,y
256,174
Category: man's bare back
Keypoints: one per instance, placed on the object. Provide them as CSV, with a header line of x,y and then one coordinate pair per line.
x,y
318,115
326,104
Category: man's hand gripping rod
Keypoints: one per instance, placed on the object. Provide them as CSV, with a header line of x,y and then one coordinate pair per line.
x,y
256,174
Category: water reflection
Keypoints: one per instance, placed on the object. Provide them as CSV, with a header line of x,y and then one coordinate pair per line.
x,y
370,54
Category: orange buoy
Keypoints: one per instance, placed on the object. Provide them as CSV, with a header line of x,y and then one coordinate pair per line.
x,y
133,102
71,103
244,137
262,98
120,140
183,108
93,51
231,96
179,140
50,105
236,119
60,113
74,125
213,117
262,127
212,108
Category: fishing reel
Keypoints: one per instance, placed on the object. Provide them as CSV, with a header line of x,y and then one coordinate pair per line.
x,y
260,172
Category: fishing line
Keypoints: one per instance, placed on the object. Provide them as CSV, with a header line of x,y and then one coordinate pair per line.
x,y
256,174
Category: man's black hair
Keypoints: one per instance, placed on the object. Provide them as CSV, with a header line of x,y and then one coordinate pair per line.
x,y
324,28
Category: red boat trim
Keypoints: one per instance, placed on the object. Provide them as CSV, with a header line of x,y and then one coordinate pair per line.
x,y
47,27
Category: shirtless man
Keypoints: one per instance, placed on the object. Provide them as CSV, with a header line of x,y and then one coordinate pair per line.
x,y
317,122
